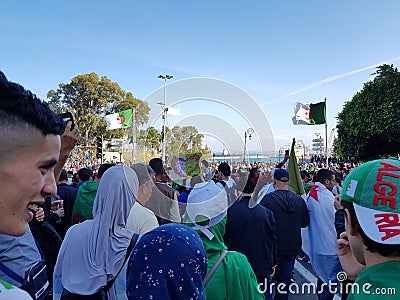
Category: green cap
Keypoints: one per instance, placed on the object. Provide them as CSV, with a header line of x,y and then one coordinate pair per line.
x,y
374,189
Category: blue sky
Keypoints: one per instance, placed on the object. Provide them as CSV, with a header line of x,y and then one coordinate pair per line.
x,y
279,52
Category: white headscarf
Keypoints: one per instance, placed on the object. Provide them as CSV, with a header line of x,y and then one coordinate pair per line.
x,y
93,252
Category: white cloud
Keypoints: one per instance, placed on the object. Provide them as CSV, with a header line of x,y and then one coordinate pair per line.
x,y
174,111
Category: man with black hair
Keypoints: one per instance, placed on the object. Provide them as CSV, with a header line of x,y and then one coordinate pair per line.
x,y
31,157
227,183
68,195
369,250
250,229
322,232
30,147
163,202
84,175
306,178
83,206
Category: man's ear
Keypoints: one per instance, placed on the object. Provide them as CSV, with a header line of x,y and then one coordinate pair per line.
x,y
352,230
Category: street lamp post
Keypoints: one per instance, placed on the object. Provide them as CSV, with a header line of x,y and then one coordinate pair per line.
x,y
165,110
248,132
280,153
224,153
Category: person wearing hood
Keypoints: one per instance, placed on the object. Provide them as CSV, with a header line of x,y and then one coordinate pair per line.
x,y
234,278
83,206
291,215
94,252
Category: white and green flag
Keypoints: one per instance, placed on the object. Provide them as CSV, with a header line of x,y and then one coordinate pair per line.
x,y
122,119
309,114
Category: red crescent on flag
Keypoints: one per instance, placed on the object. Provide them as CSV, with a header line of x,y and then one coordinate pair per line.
x,y
122,119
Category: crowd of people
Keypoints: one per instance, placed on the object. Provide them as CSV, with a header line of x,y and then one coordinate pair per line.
x,y
231,232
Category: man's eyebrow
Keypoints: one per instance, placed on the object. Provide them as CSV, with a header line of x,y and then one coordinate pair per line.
x,y
48,164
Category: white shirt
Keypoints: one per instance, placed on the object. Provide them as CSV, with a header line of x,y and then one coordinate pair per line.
x,y
141,219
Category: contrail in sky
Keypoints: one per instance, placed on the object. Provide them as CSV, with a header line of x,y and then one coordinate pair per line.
x,y
318,83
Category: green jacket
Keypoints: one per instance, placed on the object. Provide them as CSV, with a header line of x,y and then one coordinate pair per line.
x,y
234,278
83,206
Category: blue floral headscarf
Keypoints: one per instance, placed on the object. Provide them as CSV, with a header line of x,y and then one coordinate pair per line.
x,y
168,262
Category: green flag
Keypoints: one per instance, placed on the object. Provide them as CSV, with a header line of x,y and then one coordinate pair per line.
x,y
317,113
296,183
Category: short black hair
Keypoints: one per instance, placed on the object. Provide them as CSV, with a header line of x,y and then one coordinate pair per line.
x,y
224,168
372,246
322,175
85,174
157,165
304,174
19,107
102,169
75,178
63,175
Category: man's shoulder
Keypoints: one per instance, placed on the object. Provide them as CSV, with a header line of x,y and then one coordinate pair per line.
x,y
66,189
165,189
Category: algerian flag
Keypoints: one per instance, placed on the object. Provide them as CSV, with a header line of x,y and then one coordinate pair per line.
x,y
296,183
309,114
122,119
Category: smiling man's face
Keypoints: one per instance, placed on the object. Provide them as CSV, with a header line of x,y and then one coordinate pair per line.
x,y
25,180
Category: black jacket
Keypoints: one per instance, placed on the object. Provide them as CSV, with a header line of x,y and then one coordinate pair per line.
x,y
251,231
339,222
68,194
291,215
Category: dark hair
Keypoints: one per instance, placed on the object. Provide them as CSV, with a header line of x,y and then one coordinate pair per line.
x,y
322,175
63,176
253,172
75,178
246,185
372,246
85,174
103,168
19,107
225,169
304,174
157,165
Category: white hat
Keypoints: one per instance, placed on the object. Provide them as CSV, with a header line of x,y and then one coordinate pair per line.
x,y
206,201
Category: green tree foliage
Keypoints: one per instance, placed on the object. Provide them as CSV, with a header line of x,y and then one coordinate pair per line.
x,y
373,117
179,138
150,138
89,98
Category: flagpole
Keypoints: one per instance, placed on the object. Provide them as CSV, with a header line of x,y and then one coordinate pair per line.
x,y
326,136
133,136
